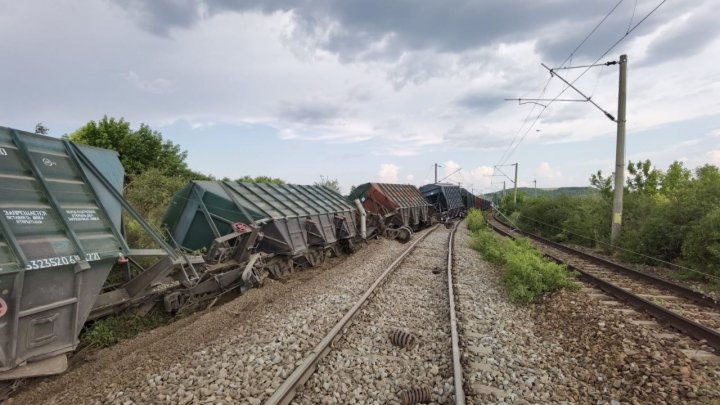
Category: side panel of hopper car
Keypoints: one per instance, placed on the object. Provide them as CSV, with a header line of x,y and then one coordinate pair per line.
x,y
281,211
300,216
413,207
49,222
188,221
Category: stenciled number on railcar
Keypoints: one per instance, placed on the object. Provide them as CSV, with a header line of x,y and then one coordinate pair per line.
x,y
60,261
3,152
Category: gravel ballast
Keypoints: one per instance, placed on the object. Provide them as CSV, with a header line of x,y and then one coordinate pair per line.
x,y
567,349
365,367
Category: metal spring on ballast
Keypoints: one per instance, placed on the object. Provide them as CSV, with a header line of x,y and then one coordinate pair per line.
x,y
402,339
415,395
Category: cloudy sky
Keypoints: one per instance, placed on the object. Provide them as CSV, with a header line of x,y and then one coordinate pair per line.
x,y
367,90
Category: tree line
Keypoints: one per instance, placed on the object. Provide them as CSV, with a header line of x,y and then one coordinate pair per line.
x,y
671,215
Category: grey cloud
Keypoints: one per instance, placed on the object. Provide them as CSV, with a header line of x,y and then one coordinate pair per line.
x,y
476,137
686,40
479,101
352,29
159,16
311,112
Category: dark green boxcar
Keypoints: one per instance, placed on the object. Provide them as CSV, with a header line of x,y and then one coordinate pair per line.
x,y
292,218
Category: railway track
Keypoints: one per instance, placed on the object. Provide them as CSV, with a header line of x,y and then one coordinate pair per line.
x,y
683,309
399,342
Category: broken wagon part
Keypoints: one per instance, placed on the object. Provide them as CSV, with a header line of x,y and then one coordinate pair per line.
x,y
396,205
402,234
416,395
446,199
403,339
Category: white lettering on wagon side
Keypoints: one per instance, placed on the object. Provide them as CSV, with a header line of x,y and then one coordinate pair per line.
x,y
60,261
26,217
82,215
3,152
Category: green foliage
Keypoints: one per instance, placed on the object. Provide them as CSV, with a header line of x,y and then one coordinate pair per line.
x,y
666,215
603,184
150,194
643,178
701,248
527,275
475,220
139,150
112,329
329,183
260,179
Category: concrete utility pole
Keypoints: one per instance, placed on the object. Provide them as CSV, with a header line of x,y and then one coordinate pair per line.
x,y
436,166
503,195
515,183
535,182
619,153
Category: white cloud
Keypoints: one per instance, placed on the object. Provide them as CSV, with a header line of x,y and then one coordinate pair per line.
x,y
714,157
548,176
388,173
153,86
409,178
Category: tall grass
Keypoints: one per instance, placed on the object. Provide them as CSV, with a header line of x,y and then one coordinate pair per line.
x,y
526,274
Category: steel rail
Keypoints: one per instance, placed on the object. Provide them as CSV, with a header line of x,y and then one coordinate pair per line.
x,y
286,392
457,365
664,315
688,293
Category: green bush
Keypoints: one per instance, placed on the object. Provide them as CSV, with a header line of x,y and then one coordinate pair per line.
x,y
701,249
475,220
112,329
527,274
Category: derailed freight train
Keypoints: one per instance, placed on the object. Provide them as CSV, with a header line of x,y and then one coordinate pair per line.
x,y
446,200
402,208
287,225
61,235
62,220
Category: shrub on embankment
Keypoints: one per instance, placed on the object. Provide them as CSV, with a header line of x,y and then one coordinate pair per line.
x,y
527,275
669,216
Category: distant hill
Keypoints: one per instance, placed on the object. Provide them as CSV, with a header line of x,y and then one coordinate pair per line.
x,y
551,192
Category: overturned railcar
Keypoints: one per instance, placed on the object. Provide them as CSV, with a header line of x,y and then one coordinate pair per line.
x,y
60,236
446,200
297,224
401,208
483,204
468,198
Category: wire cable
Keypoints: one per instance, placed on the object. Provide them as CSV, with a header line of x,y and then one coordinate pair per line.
x,y
568,59
616,43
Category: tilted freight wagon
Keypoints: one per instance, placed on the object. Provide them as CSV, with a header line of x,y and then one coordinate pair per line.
x,y
60,236
297,224
483,204
468,198
401,207
446,200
